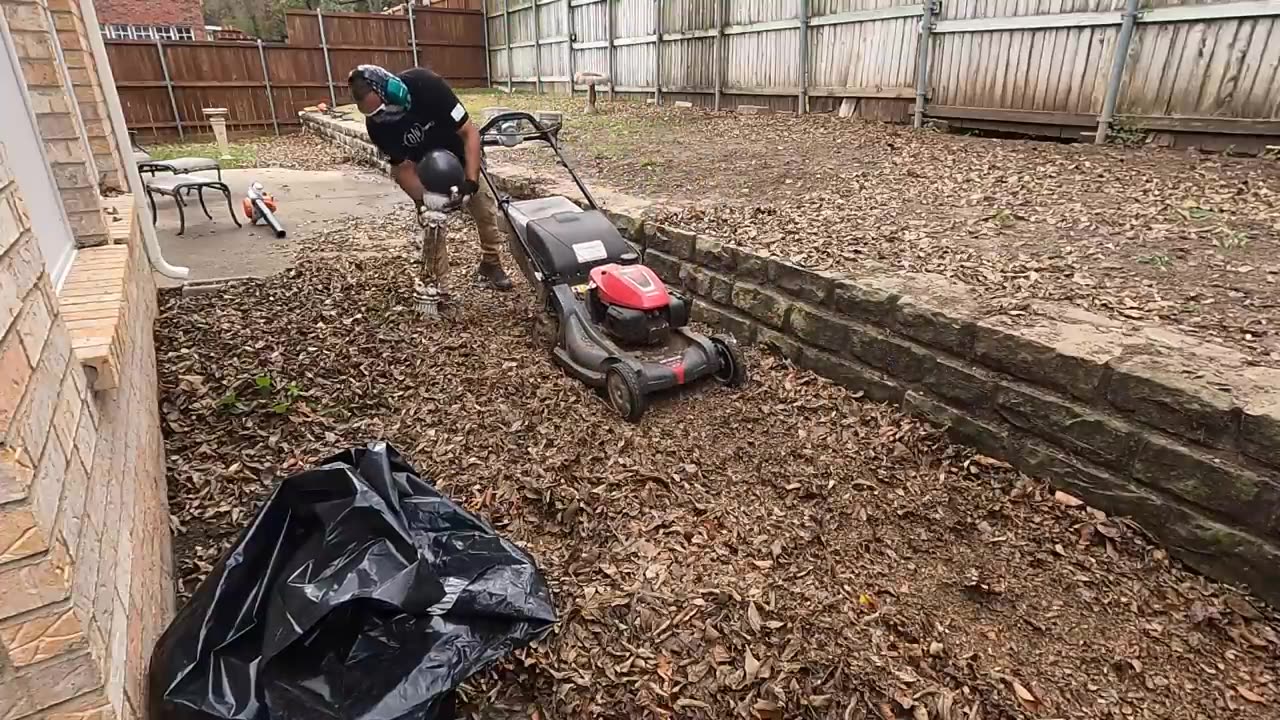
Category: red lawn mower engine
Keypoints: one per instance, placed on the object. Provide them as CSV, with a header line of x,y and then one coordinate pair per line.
x,y
633,305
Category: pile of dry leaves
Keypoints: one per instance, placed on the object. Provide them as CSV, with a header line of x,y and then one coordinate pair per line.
x,y
1134,233
787,550
301,151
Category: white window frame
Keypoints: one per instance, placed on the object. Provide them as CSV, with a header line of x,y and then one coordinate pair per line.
x,y
26,159
171,33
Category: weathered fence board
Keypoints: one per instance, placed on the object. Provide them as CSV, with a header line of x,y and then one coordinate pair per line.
x,y
229,74
1194,65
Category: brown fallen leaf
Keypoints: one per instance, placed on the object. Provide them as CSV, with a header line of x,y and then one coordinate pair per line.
x,y
767,709
753,616
1022,692
1250,695
1067,500
750,667
1243,608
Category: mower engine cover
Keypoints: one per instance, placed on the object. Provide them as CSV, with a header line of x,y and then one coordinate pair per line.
x,y
633,305
631,286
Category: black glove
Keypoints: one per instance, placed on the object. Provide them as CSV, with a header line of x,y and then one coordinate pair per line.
x,y
469,188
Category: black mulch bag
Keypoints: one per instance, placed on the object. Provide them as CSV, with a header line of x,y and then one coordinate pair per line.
x,y
358,592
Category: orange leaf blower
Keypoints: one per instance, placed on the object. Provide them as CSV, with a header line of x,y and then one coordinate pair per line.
x,y
260,206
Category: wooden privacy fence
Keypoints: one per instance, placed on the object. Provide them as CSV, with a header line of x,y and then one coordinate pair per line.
x,y
165,86
1172,65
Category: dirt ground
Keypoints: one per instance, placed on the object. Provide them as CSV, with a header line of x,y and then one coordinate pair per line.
x,y
1133,233
788,550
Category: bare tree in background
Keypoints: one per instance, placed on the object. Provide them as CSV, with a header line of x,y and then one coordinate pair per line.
x,y
265,18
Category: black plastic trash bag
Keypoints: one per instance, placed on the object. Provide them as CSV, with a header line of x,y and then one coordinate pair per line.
x,y
358,592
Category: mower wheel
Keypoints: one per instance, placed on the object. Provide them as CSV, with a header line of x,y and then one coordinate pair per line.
x,y
733,366
623,391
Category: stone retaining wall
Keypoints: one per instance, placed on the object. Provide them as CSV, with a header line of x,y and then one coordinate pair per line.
x,y
1181,435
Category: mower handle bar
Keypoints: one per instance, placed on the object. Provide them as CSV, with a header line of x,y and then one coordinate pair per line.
x,y
518,115
543,134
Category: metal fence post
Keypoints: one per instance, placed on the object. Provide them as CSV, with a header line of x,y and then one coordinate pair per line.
x,y
488,69
168,84
413,34
1117,71
657,52
719,62
537,47
266,79
506,31
608,27
568,43
802,100
923,53
324,48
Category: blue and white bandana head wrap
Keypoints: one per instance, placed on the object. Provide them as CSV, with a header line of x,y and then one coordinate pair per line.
x,y
390,88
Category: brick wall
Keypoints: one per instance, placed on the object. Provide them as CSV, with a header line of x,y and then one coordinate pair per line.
x,y
85,564
52,93
77,53
1181,435
147,12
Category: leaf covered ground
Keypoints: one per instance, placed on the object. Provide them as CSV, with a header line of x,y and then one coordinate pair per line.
x,y
1137,234
787,550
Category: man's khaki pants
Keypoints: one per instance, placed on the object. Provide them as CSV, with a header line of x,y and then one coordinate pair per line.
x,y
490,225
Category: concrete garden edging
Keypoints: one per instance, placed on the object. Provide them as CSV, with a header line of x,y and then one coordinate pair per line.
x,y
1181,435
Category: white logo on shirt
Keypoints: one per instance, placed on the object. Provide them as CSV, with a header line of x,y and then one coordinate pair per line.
x,y
415,135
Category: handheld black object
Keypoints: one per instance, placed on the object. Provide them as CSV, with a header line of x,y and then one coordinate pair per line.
x,y
358,592
441,172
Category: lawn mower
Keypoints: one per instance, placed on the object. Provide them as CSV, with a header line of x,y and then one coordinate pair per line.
x,y
615,325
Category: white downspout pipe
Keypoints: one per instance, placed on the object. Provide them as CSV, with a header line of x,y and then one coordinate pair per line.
x,y
124,147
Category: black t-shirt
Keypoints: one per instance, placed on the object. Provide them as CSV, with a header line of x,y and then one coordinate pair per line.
x,y
432,120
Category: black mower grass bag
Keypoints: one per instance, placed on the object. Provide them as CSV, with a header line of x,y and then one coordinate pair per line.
x,y
358,592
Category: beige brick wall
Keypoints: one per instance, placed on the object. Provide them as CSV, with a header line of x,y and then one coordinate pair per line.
x,y
85,561
38,40
78,55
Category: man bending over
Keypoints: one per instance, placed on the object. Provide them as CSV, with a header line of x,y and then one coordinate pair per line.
x,y
408,115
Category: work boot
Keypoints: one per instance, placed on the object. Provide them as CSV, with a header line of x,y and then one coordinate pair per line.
x,y
492,275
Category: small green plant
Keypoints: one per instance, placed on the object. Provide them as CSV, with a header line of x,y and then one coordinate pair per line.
x,y
1124,132
288,395
231,403
1195,212
1159,262
1002,218
1227,239
268,392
